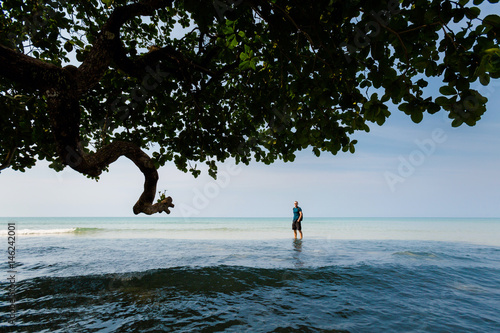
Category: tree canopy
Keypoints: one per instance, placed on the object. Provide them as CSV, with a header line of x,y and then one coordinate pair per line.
x,y
85,82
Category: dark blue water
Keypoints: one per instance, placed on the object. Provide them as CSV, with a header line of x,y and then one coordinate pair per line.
x,y
86,284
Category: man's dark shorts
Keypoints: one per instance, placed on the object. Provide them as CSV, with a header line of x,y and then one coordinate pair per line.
x,y
296,225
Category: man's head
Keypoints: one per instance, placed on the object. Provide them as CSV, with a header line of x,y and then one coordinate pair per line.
x,y
296,204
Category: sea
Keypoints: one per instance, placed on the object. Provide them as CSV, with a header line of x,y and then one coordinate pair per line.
x,y
167,274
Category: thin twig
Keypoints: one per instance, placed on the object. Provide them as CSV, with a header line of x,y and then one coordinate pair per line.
x,y
420,27
8,159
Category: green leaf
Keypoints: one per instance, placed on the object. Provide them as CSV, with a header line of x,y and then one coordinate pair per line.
x,y
233,42
403,106
457,122
253,63
484,79
472,12
68,46
443,101
244,65
433,108
417,116
243,56
107,2
493,20
447,90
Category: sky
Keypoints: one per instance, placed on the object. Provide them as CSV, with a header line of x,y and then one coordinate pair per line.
x,y
399,169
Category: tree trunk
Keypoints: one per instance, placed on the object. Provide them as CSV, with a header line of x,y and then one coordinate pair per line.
x,y
64,112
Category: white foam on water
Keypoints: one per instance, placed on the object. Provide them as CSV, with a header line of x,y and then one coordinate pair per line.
x,y
27,232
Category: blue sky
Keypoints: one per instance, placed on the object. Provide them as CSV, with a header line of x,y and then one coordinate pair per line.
x,y
399,169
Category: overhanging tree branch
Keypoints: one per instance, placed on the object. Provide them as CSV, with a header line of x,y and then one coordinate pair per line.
x,y
64,86
108,42
8,159
28,71
93,165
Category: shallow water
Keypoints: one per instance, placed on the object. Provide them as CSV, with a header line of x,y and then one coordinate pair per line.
x,y
98,280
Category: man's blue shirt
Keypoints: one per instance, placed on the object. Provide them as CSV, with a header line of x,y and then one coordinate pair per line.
x,y
296,213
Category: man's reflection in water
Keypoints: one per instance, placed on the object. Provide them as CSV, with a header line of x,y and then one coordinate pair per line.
x,y
297,250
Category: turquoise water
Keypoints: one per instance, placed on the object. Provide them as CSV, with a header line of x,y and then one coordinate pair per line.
x,y
249,275
483,231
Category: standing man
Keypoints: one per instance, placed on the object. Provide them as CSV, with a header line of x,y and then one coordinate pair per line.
x,y
297,219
